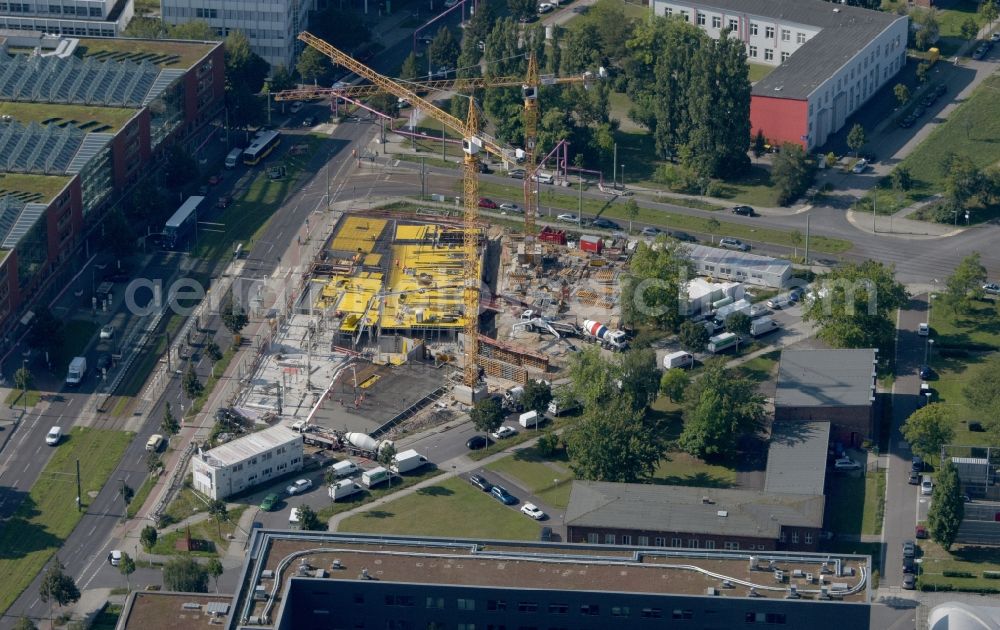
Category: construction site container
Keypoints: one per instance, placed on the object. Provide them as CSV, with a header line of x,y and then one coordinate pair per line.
x,y
551,235
593,244
722,342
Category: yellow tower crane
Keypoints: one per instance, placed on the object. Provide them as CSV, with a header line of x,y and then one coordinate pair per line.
x,y
529,90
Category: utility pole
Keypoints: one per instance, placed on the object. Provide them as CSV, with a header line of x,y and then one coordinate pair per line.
x,y
124,500
79,491
328,200
423,177
579,205
874,201
807,239
614,168
443,144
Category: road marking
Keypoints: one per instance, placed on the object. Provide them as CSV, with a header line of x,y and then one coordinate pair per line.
x,y
27,466
92,530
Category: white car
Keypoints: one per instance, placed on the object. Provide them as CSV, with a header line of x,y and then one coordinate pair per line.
x,y
923,329
53,436
530,509
545,7
503,432
569,218
511,207
860,166
107,332
299,486
115,557
733,243
995,37
296,106
651,231
846,463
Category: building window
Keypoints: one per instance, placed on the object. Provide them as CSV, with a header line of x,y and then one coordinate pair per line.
x,y
786,35
772,618
619,611
709,544
701,19
684,16
800,38
768,54
753,52
753,28
660,541
784,55
716,21
399,600
651,613
782,537
466,604
609,539
593,538
669,11
590,609
496,604
795,537
626,539
808,538
527,607
558,609
435,602
733,24
769,32
675,542
643,541
731,546
692,543
682,614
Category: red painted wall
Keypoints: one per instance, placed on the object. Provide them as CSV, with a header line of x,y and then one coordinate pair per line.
x,y
781,119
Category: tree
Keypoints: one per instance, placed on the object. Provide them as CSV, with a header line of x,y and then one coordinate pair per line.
x,y
184,574
983,394
312,65
537,396
282,79
693,336
759,146
988,11
117,238
611,443
739,323
148,537
245,69
969,29
963,181
923,71
856,138
719,408
928,429
192,384
631,379
521,8
47,332
673,383
126,566
856,304
23,379
410,69
387,457
901,178
443,50
195,30
791,173
487,415
144,27
713,226
547,444
214,569
23,623
947,506
965,284
902,93
927,28
169,425
213,351
234,317
180,167
57,588
650,292
631,211
309,520
219,512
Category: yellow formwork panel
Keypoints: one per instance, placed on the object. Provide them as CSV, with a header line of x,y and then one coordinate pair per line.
x,y
372,260
425,287
358,233
411,232
350,296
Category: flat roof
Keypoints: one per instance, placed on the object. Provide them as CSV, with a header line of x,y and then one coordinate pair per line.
x,y
87,118
754,262
248,446
826,378
684,509
796,458
165,53
30,188
150,610
845,30
547,566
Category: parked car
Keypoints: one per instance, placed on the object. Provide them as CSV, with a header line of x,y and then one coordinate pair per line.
x,y
296,106
605,224
651,231
920,531
103,361
779,302
487,203
926,486
545,7
928,100
914,479
909,566
744,211
511,207
107,332
909,549
940,89
923,329
299,486
269,503
906,122
517,173
995,37
214,180
733,243
845,464
545,535
532,510
684,237
480,482
504,432
926,372
992,288
115,557
568,218
909,582
477,442
919,111
860,166
979,53
500,494
308,121
917,464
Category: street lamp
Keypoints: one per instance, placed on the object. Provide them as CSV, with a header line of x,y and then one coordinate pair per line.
x,y
24,384
928,353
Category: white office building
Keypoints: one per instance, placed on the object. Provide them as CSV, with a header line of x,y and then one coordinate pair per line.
x,y
247,462
725,264
272,26
83,18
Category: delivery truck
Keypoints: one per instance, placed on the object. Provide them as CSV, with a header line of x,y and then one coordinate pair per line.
x,y
762,326
530,419
408,460
345,468
679,359
375,476
723,342
343,488
77,370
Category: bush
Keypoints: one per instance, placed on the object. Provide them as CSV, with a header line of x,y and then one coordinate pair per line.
x,y
548,443
958,574
991,575
676,178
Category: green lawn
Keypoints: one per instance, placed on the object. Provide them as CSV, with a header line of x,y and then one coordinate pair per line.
x,y
753,188
971,130
560,202
620,104
550,479
188,502
950,19
854,504
361,498
208,530
141,495
968,558
759,70
48,514
43,187
761,368
75,115
17,398
451,508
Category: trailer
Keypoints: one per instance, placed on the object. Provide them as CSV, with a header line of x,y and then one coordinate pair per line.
x,y
343,488
727,311
679,359
723,342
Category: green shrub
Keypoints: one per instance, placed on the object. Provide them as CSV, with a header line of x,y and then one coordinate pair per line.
x,y
958,574
991,575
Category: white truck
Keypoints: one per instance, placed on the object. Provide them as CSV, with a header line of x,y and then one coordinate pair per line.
x,y
364,444
610,339
720,343
77,370
762,326
727,311
679,359
343,488
375,476
512,398
406,461
345,468
530,419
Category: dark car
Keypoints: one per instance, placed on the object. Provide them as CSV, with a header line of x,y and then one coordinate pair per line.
x,y
917,464
909,582
795,295
477,442
480,482
926,372
909,566
545,535
484,167
104,361
500,494
909,549
941,89
223,202
914,479
918,111
928,100
907,122
517,173
605,224
684,237
744,211
920,531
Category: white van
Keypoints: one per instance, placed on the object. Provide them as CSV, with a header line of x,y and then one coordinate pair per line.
x,y
678,359
234,157
530,419
926,486
293,519
154,442
345,468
